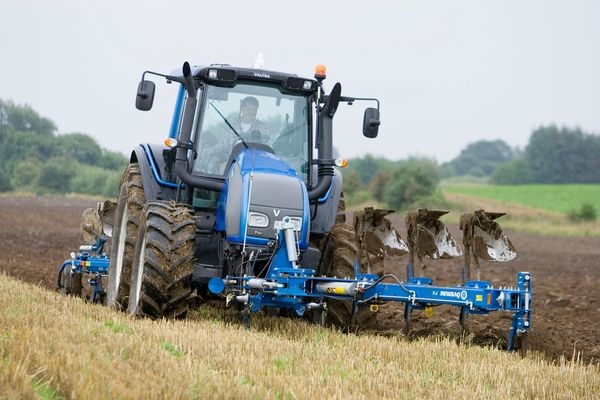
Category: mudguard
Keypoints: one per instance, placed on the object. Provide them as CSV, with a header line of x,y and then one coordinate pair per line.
x,y
150,159
324,211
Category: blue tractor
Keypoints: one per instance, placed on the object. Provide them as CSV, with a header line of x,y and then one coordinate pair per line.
x,y
244,202
249,151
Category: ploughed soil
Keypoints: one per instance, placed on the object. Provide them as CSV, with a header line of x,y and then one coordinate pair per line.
x,y
38,233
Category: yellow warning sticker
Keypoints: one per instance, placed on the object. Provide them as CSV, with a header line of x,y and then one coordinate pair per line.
x,y
428,312
478,297
336,290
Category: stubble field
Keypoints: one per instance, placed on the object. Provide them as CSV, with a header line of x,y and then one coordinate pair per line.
x,y
38,233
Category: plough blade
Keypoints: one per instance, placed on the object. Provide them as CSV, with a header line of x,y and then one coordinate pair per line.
x,y
376,234
486,237
428,237
107,210
491,248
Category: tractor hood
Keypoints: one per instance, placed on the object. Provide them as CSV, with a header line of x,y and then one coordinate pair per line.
x,y
259,191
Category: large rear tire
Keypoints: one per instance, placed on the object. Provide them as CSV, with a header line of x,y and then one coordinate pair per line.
x,y
340,250
125,231
163,262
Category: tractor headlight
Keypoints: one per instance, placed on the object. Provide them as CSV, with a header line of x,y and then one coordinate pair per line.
x,y
258,220
297,223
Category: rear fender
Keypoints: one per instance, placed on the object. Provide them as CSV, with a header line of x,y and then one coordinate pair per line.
x,y
325,209
152,168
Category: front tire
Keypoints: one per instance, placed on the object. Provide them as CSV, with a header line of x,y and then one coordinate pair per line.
x,y
125,232
163,262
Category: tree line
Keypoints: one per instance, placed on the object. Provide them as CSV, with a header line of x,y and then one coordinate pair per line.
x,y
33,158
552,155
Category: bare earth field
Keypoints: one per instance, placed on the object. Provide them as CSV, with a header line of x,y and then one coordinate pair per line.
x,y
38,233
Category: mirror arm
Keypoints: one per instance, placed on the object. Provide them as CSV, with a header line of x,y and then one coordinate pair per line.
x,y
351,100
169,78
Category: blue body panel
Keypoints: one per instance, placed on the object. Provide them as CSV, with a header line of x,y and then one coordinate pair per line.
x,y
253,161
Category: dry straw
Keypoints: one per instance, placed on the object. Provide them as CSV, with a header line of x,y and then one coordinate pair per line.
x,y
53,346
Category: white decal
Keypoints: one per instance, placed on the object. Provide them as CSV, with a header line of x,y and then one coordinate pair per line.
x,y
448,293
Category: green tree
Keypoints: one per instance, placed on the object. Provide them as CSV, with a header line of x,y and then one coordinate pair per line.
x,y
111,185
55,176
480,158
95,180
516,172
17,146
78,146
33,158
563,156
410,181
23,119
26,172
368,166
379,183
113,160
5,185
352,182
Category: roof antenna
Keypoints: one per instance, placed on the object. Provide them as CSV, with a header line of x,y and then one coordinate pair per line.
x,y
260,61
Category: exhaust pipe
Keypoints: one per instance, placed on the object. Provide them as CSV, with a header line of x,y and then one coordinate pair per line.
x,y
181,156
325,145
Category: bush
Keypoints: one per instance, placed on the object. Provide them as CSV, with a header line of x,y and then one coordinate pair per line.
x,y
515,172
352,182
55,176
586,213
95,181
411,181
358,198
111,185
26,173
436,201
5,185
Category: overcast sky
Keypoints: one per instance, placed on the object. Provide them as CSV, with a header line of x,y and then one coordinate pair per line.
x,y
447,73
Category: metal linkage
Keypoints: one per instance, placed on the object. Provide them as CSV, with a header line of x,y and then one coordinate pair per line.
x,y
89,260
300,290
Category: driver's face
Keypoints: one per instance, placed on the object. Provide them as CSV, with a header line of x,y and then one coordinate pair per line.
x,y
249,111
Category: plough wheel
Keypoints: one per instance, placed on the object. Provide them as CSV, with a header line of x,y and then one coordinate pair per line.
x,y
125,231
163,261
69,282
337,260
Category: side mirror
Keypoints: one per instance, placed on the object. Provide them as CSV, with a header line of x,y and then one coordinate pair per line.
x,y
371,122
145,95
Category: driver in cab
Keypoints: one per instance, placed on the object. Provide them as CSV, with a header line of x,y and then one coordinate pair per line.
x,y
248,126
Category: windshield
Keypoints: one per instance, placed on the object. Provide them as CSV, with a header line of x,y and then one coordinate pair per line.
x,y
251,113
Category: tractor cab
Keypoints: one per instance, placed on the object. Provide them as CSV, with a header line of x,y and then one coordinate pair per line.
x,y
222,112
250,114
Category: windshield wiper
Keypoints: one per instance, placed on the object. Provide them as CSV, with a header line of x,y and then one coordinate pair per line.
x,y
229,125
